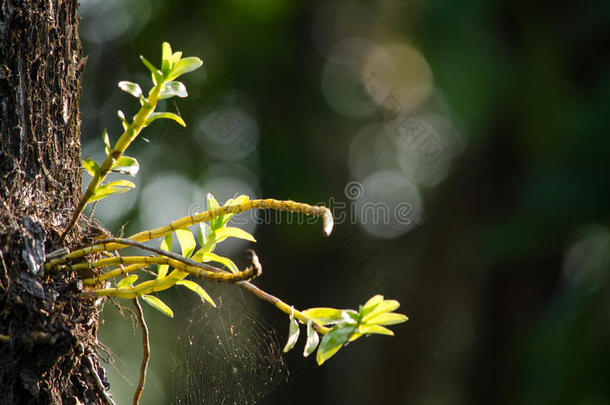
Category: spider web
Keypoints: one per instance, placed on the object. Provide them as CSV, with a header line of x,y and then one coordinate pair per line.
x,y
227,355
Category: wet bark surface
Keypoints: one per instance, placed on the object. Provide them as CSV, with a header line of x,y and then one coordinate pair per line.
x,y
47,326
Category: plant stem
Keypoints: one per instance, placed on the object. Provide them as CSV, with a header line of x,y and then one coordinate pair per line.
x,y
278,303
131,132
181,223
146,352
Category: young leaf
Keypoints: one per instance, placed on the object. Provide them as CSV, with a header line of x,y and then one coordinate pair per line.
x,y
350,316
323,316
166,244
166,58
293,334
332,341
126,165
187,241
123,119
173,89
116,187
185,65
191,285
312,340
156,74
107,147
176,57
131,88
213,205
236,201
370,329
91,167
373,301
206,238
158,305
202,233
225,218
202,256
382,307
171,116
127,281
387,318
231,232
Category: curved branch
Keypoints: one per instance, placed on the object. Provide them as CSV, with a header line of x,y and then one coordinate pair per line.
x,y
185,222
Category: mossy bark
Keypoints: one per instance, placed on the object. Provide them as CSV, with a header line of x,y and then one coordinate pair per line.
x,y
48,351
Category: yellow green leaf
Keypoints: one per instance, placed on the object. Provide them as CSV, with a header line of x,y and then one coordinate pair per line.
x,y
127,281
166,244
191,285
232,232
187,241
158,305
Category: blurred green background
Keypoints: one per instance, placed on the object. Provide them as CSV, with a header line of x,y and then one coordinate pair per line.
x,y
463,147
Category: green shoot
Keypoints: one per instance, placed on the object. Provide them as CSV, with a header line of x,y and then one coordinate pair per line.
x,y
164,87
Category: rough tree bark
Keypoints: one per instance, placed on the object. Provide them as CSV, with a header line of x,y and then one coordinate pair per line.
x,y
47,329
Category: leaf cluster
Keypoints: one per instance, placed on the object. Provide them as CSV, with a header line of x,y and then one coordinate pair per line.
x,y
209,235
164,86
346,325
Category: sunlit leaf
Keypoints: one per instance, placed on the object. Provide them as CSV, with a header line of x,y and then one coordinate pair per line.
x,y
187,241
370,329
91,167
166,58
123,119
293,334
312,340
131,88
173,89
203,232
332,341
167,115
323,316
202,256
231,232
350,316
387,318
156,73
176,57
382,307
107,147
191,285
126,165
185,65
237,201
116,187
213,205
206,238
374,300
158,305
166,244
232,201
127,281
377,329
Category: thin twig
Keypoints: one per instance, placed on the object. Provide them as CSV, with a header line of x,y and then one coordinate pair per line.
x,y
279,304
161,252
98,382
146,352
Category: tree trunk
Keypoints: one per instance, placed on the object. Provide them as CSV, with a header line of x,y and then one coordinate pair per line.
x,y
47,329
